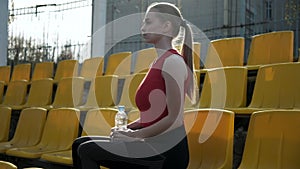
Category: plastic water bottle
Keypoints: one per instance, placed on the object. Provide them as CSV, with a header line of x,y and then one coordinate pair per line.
x,y
121,119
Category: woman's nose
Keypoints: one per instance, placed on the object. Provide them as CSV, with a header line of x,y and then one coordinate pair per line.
x,y
143,28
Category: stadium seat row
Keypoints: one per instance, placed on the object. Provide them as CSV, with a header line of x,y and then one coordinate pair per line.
x,y
276,86
271,135
267,48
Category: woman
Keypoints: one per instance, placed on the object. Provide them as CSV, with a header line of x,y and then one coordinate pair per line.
x,y
158,138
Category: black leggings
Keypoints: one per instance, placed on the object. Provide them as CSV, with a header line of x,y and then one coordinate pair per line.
x,y
91,152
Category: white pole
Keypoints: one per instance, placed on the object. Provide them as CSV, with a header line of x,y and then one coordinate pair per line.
x,y
98,28
3,32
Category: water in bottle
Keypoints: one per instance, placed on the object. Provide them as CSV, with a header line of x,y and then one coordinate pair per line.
x,y
121,118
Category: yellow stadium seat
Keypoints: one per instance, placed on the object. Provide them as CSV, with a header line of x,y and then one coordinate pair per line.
x,y
133,115
130,87
40,94
97,122
102,92
276,87
7,165
5,116
28,131
224,88
210,138
118,64
221,54
272,140
21,72
59,157
69,93
2,87
15,93
66,68
269,48
42,70
60,130
143,60
92,68
5,74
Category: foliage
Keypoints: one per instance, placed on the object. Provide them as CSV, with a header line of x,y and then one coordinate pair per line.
x,y
28,50
292,12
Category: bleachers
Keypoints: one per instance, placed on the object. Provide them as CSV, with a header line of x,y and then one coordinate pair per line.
x,y
226,88
66,68
60,129
118,64
276,87
272,140
91,68
269,48
21,72
43,70
29,129
210,138
221,54
5,116
5,74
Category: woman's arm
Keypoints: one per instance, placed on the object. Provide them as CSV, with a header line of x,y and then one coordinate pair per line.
x,y
134,125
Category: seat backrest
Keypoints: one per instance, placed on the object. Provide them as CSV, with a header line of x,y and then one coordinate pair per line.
x,y
5,74
21,72
133,115
43,70
272,140
69,92
5,116
92,68
210,138
102,92
7,165
273,47
2,86
15,93
220,53
66,68
224,87
143,60
61,128
40,93
118,64
130,87
277,86
99,121
30,126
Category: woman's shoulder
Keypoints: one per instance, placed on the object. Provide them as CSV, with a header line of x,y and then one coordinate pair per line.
x,y
175,60
175,63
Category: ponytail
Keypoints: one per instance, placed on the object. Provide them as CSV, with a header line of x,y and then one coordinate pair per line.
x,y
187,53
187,49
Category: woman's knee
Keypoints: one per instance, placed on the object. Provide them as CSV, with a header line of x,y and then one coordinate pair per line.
x,y
79,141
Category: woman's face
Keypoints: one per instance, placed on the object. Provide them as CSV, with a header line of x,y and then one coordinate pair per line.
x,y
153,27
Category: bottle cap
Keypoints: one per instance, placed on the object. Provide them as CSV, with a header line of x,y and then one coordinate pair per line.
x,y
121,108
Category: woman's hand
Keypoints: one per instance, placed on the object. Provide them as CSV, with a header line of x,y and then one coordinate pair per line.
x,y
124,135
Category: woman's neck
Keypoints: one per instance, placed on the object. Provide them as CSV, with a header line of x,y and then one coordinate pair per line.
x,y
162,46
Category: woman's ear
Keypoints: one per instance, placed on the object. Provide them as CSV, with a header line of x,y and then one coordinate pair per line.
x,y
167,28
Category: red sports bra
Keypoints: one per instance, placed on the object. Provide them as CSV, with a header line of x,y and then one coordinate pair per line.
x,y
151,94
